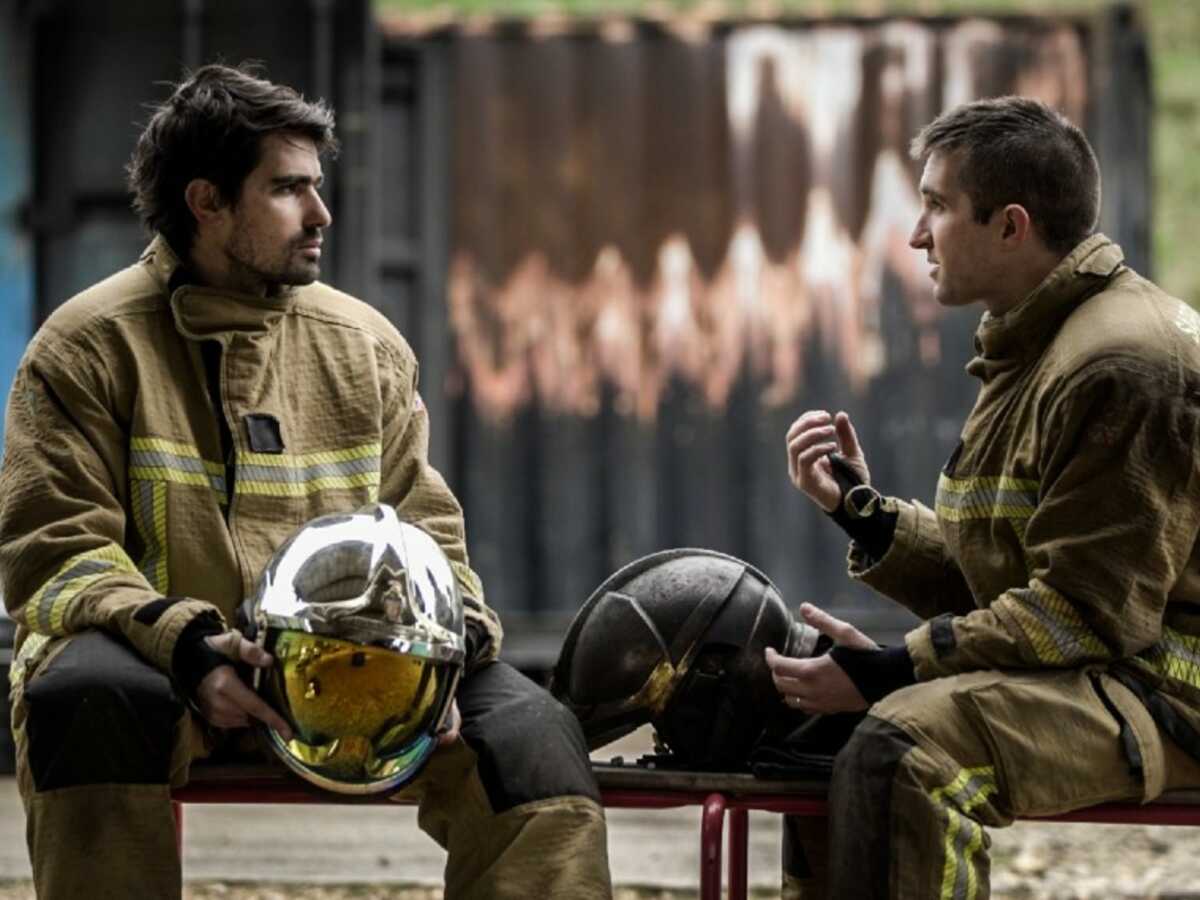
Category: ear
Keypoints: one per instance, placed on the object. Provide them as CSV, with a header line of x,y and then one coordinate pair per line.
x,y
1015,225
204,200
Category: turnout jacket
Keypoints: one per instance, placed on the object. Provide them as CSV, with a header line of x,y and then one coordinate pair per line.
x,y
1065,524
118,510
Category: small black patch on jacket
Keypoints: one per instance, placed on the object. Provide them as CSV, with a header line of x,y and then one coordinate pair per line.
x,y
151,612
264,433
941,632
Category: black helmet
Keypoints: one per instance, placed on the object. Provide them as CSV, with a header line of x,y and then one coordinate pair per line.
x,y
677,638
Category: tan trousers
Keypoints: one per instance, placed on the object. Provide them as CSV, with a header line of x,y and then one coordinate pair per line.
x,y
935,763
117,840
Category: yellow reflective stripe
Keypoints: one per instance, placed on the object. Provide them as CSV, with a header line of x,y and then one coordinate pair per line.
x,y
303,488
1053,626
32,644
990,497
46,610
161,460
1176,655
322,457
149,502
969,789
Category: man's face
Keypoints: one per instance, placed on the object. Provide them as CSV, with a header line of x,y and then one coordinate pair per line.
x,y
961,250
273,232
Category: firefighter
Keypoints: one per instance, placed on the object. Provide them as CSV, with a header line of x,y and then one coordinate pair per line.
x,y
167,429
1059,665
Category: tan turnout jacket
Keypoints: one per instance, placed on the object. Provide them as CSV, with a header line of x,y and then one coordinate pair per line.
x,y
113,493
1065,527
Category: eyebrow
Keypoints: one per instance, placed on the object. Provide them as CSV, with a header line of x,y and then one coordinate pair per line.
x,y
290,180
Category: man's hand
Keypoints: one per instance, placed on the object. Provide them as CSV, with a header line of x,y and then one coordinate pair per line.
x,y
820,685
449,732
224,699
810,440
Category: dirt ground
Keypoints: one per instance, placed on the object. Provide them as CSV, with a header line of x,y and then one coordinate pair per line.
x,y
1030,861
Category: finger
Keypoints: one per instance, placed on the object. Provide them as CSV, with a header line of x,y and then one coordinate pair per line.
x,y
807,460
825,434
249,652
806,421
841,631
787,666
254,705
847,436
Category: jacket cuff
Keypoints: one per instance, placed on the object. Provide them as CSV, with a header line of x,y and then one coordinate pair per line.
x,y
889,573
157,644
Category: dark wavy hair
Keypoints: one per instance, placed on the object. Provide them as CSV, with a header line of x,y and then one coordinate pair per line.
x,y
210,127
1018,150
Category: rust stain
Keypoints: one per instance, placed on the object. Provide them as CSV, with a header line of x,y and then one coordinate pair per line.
x,y
632,212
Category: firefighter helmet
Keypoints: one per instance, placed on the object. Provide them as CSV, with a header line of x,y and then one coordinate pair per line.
x,y
363,616
677,638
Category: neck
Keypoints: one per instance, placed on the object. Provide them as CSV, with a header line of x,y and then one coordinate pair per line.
x,y
213,268
1023,281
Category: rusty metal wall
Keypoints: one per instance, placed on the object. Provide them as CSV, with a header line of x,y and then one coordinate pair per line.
x,y
665,245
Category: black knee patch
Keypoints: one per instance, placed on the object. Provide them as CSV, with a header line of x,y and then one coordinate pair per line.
x,y
530,747
99,714
860,797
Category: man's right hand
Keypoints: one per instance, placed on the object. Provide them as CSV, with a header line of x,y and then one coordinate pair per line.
x,y
224,699
810,440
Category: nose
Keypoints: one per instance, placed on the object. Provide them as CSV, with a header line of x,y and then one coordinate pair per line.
x,y
919,239
317,215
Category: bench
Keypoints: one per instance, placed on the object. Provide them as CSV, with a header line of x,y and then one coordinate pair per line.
x,y
720,797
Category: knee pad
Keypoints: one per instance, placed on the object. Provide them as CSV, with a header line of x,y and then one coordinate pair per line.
x,y
97,713
529,746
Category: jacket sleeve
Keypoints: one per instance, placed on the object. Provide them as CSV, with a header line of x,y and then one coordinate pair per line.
x,y
63,557
915,571
420,495
1117,518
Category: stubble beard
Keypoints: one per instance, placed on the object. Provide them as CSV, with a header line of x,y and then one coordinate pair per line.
x,y
252,268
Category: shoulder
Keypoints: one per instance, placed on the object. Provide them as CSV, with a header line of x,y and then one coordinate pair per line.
x,y
87,318
325,307
1131,324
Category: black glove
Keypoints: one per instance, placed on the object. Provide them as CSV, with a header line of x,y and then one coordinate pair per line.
x,y
859,511
193,658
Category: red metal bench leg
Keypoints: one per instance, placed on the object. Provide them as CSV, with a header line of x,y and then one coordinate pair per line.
x,y
739,838
177,811
712,827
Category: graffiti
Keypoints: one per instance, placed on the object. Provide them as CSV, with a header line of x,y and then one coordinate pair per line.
x,y
635,210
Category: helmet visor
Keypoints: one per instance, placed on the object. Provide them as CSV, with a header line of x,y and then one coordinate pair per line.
x,y
361,715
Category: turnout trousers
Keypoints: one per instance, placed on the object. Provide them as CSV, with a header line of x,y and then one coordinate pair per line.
x,y
935,763
102,737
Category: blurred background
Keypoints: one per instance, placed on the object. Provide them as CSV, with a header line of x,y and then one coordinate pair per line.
x,y
630,242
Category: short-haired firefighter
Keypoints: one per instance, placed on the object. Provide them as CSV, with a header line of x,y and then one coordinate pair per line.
x,y
1059,665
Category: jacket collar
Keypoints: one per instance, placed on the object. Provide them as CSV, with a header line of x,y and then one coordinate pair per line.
x,y
204,313
1021,334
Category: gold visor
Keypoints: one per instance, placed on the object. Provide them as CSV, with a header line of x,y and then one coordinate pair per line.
x,y
358,712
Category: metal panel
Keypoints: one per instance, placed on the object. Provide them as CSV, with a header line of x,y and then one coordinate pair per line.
x,y
664,247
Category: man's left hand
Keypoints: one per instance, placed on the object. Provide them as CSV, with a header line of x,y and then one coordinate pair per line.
x,y
820,685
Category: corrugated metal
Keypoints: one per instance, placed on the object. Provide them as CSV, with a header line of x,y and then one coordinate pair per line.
x,y
664,247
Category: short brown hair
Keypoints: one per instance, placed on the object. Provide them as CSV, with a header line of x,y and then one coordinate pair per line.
x,y
1018,150
210,127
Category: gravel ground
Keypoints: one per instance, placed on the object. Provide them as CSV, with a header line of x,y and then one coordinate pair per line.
x,y
1030,861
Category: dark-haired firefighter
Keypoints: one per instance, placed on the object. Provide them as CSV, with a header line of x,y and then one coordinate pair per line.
x,y
1060,663
167,430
